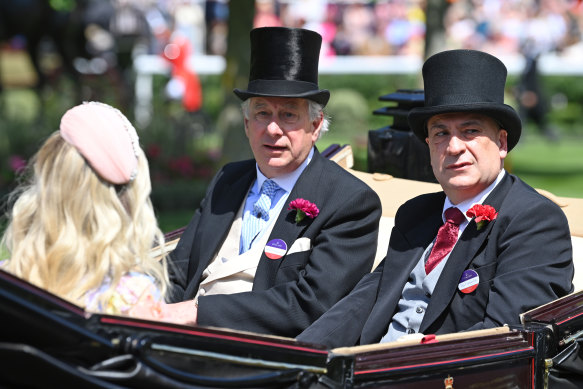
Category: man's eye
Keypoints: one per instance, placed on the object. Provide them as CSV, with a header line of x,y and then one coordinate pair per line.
x,y
288,116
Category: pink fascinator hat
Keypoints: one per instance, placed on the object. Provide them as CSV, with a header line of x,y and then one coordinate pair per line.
x,y
105,138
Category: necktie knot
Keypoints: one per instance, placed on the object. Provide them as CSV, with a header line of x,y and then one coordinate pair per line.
x,y
260,212
263,204
454,215
446,238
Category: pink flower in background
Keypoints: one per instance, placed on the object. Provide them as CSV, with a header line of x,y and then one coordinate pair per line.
x,y
303,208
183,166
17,163
153,151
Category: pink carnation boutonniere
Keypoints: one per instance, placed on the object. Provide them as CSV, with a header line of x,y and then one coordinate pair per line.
x,y
482,214
303,208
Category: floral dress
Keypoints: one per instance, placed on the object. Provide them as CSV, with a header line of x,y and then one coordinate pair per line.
x,y
136,295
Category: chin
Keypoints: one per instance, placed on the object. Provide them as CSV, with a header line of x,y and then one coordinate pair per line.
x,y
458,185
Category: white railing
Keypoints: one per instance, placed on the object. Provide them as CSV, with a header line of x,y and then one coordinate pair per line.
x,y
146,66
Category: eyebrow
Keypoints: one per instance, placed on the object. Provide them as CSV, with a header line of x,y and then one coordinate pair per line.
x,y
258,105
437,126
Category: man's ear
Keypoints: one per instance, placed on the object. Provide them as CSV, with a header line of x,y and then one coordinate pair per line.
x,y
246,124
317,125
503,143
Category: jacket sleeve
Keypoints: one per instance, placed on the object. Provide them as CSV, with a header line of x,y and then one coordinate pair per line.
x,y
342,324
532,264
179,258
307,283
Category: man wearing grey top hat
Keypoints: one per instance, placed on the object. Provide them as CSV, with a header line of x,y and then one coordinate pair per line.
x,y
476,255
278,239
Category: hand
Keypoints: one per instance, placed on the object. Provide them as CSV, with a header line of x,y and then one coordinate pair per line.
x,y
185,312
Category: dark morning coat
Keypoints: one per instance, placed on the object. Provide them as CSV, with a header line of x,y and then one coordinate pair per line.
x,y
290,293
523,259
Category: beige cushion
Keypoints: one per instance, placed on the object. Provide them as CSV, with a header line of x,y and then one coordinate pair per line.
x,y
578,261
385,227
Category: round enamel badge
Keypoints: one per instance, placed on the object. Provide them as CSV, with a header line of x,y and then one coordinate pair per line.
x,y
469,281
275,249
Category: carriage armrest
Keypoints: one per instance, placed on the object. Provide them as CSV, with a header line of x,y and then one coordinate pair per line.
x,y
342,155
170,241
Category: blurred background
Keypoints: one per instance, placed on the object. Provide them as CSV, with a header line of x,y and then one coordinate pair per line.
x,y
171,66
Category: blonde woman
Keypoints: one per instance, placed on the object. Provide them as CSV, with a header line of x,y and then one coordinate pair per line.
x,y
82,225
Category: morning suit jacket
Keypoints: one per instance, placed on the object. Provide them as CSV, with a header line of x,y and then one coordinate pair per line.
x,y
523,259
289,293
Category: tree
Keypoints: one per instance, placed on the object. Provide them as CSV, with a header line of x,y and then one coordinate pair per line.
x,y
230,121
435,29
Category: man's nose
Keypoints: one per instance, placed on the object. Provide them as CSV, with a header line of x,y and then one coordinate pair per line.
x,y
273,128
456,145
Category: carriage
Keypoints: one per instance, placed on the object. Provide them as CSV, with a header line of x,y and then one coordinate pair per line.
x,y
46,341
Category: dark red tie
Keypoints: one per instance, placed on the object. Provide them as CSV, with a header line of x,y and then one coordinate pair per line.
x,y
446,238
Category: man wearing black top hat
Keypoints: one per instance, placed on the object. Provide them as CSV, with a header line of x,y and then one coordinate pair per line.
x,y
511,246
279,239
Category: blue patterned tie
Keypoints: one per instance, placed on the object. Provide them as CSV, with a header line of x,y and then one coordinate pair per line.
x,y
260,210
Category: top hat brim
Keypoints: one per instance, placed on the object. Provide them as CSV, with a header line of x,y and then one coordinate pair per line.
x,y
505,115
284,88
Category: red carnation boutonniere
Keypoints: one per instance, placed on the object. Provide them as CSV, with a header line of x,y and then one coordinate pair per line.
x,y
303,208
482,214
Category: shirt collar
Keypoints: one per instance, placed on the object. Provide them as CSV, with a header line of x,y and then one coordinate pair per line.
x,y
478,199
286,181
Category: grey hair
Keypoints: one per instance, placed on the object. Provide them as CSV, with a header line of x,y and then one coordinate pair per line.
x,y
314,110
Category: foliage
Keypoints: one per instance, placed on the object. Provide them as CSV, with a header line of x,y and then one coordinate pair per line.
x,y
184,149
556,167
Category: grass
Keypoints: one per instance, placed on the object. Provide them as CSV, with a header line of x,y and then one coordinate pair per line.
x,y
556,167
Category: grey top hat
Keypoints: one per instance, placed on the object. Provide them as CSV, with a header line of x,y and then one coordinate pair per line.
x,y
284,63
465,81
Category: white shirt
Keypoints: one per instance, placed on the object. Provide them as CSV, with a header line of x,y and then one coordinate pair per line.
x,y
465,205
285,182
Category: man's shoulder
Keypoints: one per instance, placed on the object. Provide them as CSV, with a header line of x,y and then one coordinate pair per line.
x,y
232,170
424,201
238,167
522,196
340,177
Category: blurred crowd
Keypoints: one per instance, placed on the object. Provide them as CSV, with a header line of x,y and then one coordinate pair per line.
x,y
381,27
397,27
352,27
530,27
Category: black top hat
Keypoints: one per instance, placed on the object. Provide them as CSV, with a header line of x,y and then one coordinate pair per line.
x,y
465,81
284,63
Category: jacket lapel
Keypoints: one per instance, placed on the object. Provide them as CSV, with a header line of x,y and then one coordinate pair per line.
x,y
404,253
285,227
462,255
224,206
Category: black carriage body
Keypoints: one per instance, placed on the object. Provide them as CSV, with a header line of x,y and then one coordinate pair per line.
x,y
48,342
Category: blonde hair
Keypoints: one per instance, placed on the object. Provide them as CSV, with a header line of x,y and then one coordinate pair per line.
x,y
69,230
